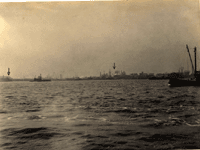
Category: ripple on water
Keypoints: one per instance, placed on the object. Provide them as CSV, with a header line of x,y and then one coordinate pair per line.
x,y
27,136
35,117
118,114
33,110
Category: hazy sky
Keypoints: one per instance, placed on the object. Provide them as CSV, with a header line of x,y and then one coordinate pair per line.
x,y
86,38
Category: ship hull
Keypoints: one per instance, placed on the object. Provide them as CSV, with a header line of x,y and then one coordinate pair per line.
x,y
183,82
158,78
40,81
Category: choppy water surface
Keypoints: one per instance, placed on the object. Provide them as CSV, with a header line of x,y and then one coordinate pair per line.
x,y
109,114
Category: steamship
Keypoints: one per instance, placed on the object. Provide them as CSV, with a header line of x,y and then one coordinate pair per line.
x,y
39,79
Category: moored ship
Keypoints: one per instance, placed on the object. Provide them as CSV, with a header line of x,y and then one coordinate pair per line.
x,y
176,80
158,78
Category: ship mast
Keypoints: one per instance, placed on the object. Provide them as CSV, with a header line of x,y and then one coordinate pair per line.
x,y
8,71
191,59
195,59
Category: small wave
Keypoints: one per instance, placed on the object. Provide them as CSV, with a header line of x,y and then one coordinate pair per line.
x,y
75,117
164,123
102,119
83,124
183,96
3,112
88,136
100,136
33,117
121,142
96,146
23,97
119,92
192,125
121,99
161,96
171,111
71,119
56,116
78,133
123,111
97,97
198,121
125,133
182,140
6,144
50,97
88,107
155,101
32,110
10,97
28,130
108,97
40,136
30,133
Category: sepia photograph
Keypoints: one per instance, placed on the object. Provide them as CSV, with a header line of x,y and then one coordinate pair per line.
x,y
100,75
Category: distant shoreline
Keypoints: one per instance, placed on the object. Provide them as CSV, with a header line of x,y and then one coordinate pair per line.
x,y
88,79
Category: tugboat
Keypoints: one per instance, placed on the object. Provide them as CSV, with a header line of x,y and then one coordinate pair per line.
x,y
39,79
176,80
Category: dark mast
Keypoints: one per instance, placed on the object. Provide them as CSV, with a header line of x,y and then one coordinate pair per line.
x,y
195,61
8,71
190,59
114,66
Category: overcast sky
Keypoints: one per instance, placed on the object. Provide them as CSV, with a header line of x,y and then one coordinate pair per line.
x,y
86,38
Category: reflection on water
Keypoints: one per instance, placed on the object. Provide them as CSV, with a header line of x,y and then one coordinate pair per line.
x,y
110,114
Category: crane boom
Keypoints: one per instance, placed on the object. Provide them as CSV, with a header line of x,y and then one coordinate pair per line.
x,y
190,59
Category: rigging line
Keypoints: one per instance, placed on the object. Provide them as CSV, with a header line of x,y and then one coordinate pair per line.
x,y
186,63
198,15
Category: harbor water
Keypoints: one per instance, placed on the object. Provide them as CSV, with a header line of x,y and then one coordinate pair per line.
x,y
98,114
